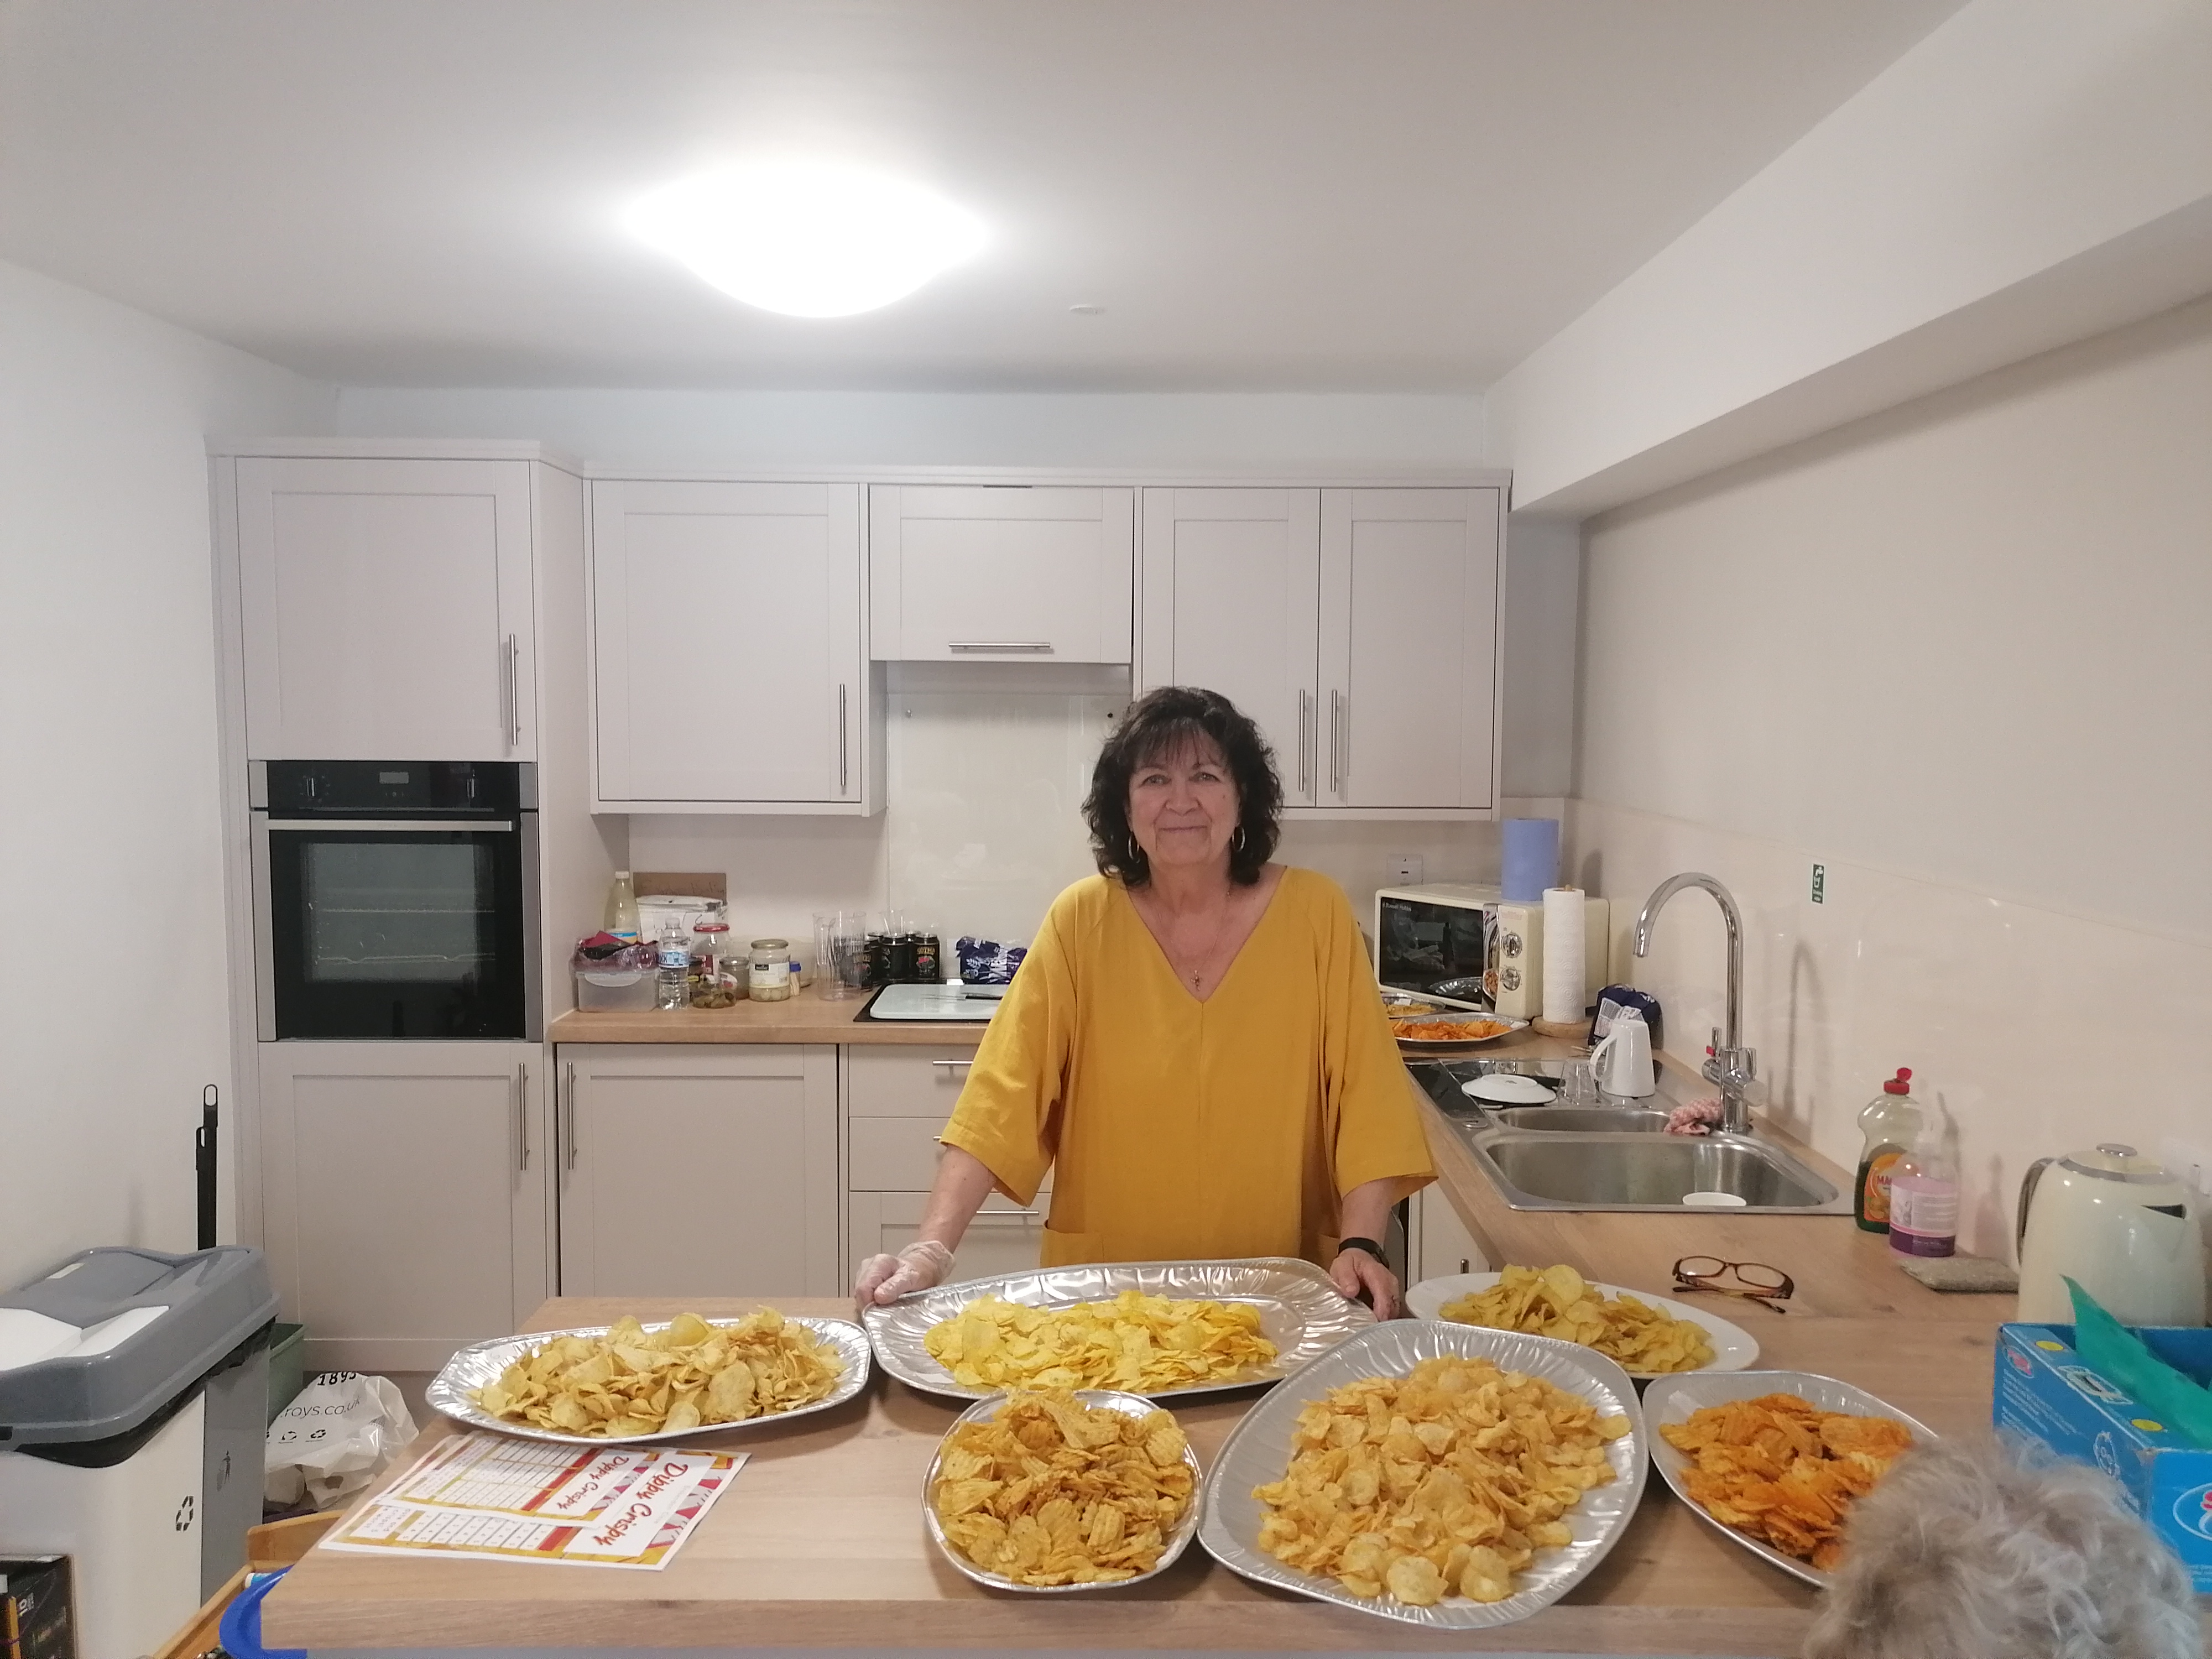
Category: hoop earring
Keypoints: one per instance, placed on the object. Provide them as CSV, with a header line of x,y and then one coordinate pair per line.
x,y
1237,843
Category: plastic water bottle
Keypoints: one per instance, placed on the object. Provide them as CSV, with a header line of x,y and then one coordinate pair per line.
x,y
672,989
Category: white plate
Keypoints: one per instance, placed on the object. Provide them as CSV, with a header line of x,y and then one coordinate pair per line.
x,y
1258,1450
1129,1405
1672,1399
1733,1347
1509,1089
1301,1312
483,1362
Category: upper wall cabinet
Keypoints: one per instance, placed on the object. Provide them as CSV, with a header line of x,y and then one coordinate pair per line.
x,y
386,609
1004,573
729,649
1358,627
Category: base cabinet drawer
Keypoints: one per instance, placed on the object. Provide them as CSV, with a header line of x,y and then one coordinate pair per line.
x,y
902,1082
1004,1238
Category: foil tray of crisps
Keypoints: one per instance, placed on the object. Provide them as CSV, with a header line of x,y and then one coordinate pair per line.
x,y
1172,1540
1258,1453
452,1392
1674,1400
1730,1347
1302,1314
1451,1032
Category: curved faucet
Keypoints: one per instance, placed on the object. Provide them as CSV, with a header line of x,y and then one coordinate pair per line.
x,y
1730,1065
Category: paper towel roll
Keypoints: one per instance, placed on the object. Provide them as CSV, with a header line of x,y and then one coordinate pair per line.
x,y
1529,860
1564,984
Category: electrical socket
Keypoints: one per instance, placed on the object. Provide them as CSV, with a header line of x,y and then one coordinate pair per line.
x,y
1406,869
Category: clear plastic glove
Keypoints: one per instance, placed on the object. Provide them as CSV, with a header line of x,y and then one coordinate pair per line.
x,y
1699,1117
885,1279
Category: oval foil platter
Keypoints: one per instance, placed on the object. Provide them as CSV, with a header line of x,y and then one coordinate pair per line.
x,y
1258,1451
1733,1347
483,1362
1301,1312
1675,1398
1113,1400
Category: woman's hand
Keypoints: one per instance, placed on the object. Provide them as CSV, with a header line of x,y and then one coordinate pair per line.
x,y
1354,1271
885,1279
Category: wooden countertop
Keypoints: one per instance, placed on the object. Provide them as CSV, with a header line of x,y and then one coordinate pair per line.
x,y
804,1017
819,1543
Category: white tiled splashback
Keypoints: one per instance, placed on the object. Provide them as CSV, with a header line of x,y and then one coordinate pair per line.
x,y
2042,1031
984,826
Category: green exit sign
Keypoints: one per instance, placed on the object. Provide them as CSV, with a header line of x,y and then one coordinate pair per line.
x,y
1820,883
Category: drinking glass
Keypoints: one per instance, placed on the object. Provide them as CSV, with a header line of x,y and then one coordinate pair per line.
x,y
840,954
1578,1083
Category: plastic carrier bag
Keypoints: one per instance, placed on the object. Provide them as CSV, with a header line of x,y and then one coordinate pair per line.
x,y
342,1430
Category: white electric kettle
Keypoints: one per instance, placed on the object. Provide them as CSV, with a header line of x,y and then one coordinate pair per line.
x,y
1622,1059
2120,1227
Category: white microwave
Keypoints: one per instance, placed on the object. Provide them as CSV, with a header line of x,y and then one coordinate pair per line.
x,y
1462,945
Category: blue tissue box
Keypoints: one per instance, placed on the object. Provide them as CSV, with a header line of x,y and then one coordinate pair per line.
x,y
2045,1393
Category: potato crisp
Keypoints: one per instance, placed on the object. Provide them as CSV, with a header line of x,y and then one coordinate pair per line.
x,y
692,1375
1559,1302
1137,1343
1783,1470
1049,1491
1446,1481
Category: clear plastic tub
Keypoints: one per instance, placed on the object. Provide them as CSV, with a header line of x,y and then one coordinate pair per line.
x,y
613,990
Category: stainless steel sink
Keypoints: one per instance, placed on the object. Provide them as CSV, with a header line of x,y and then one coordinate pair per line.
x,y
1581,1120
1536,1170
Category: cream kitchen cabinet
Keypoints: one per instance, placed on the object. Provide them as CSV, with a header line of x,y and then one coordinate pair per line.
x,y
1437,1241
385,607
1001,573
404,1195
729,650
698,1169
1359,627
896,1099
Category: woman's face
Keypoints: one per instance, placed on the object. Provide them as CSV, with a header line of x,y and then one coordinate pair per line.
x,y
1183,807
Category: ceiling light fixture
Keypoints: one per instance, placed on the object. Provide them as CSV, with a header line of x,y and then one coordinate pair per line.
x,y
807,239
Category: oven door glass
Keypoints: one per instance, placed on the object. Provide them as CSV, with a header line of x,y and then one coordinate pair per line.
x,y
397,933
1434,949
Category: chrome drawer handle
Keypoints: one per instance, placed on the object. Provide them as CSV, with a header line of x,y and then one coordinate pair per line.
x,y
1042,648
952,1062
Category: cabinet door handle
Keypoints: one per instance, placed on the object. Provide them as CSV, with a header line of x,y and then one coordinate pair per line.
x,y
843,770
952,1062
985,1215
521,1092
1033,648
1306,741
1336,743
514,692
569,1122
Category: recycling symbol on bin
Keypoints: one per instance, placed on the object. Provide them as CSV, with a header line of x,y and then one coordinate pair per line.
x,y
185,1514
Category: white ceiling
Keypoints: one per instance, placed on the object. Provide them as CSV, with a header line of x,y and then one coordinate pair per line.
x,y
1316,194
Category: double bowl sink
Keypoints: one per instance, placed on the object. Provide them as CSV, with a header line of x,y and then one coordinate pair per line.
x,y
1619,1158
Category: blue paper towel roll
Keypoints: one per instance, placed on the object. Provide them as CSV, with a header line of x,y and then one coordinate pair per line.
x,y
1531,861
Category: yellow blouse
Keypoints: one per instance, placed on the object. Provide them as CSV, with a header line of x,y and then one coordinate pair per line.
x,y
1181,1129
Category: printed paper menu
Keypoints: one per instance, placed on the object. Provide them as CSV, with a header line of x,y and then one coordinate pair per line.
x,y
494,1497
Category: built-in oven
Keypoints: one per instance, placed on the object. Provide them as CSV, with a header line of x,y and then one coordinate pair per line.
x,y
396,899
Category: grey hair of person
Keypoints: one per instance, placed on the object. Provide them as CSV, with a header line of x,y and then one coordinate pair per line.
x,y
1974,1550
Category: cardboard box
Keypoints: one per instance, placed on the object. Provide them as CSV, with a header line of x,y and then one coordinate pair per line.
x,y
34,1609
2045,1394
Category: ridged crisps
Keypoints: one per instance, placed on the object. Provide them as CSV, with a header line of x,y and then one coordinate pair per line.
x,y
1559,1302
1446,1480
1049,1491
1783,1470
1137,1343
692,1375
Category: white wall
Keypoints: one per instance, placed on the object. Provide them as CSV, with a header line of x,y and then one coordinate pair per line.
x,y
1956,652
114,990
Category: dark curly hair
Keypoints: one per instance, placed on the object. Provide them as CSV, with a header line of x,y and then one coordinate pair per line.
x,y
1157,726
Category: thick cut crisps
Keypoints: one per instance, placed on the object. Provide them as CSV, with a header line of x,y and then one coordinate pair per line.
x,y
1443,1482
1048,1491
1559,1302
1137,1343
1783,1470
691,1376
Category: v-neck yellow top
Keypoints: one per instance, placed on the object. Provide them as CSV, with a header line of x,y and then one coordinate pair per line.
x,y
1180,1129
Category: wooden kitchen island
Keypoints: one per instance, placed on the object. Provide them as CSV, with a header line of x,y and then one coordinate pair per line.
x,y
819,1542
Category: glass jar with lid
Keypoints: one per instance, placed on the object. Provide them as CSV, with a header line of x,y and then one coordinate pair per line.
x,y
769,979
718,975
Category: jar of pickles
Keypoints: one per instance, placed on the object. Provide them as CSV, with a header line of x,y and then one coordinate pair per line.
x,y
717,977
771,978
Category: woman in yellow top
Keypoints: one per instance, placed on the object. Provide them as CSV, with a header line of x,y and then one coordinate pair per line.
x,y
1194,1042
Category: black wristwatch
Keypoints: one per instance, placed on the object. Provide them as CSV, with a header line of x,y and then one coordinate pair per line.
x,y
1366,1244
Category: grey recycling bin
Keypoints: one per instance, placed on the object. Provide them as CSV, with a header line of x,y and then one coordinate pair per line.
x,y
133,1399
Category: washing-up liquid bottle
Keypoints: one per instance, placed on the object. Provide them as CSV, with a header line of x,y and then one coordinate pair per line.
x,y
1923,1190
1891,1123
